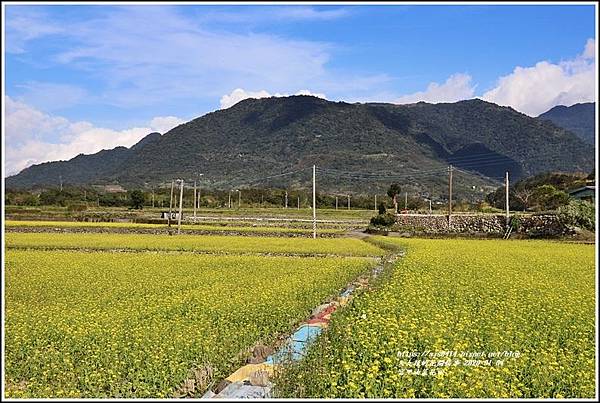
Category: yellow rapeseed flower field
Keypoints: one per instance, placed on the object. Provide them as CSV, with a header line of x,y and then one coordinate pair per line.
x,y
459,319
202,226
102,324
209,243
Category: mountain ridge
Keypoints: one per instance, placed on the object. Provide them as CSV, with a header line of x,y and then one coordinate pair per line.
x,y
578,118
269,136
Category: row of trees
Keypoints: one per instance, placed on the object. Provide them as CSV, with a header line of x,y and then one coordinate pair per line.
x,y
66,197
539,193
544,192
160,198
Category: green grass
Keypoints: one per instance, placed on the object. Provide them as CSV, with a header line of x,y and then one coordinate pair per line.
x,y
196,243
532,297
98,324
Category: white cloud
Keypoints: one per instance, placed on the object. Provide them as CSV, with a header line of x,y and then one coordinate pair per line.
x,y
240,94
26,24
457,87
307,92
534,90
590,49
33,137
118,50
309,13
163,124
277,13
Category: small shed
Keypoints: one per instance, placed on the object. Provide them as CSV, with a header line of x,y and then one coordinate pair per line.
x,y
584,193
174,215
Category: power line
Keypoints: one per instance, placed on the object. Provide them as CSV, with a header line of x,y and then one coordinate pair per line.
x,y
486,164
256,180
482,160
478,174
375,176
475,156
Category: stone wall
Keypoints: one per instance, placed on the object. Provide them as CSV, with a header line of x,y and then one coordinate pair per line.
x,y
531,225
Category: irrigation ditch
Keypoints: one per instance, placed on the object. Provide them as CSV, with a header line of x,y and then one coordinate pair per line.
x,y
255,378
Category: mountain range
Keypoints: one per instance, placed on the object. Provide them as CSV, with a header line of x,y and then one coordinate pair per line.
x,y
358,148
578,118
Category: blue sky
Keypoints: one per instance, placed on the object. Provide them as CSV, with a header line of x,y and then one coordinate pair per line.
x,y
83,78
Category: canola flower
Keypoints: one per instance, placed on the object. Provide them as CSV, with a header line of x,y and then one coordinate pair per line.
x,y
205,226
531,297
99,324
208,243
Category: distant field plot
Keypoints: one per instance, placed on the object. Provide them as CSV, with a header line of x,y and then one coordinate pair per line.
x,y
322,213
209,243
239,227
107,213
534,298
99,324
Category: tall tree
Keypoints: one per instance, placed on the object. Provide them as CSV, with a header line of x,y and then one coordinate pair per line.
x,y
524,194
136,199
393,192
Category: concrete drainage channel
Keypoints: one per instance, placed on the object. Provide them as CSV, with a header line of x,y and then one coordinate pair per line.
x,y
252,381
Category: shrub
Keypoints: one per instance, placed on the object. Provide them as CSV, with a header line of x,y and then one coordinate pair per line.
x,y
136,199
578,213
515,223
383,220
547,197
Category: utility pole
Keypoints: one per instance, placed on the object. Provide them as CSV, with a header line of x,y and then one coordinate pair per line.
x,y
298,202
450,191
348,202
60,180
314,202
405,201
171,203
336,202
507,204
375,203
229,204
195,200
429,206
286,195
180,208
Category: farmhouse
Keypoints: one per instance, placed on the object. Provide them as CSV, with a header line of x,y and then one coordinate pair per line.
x,y
584,193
